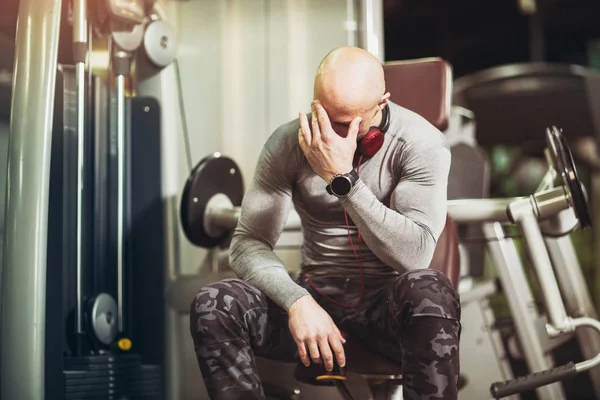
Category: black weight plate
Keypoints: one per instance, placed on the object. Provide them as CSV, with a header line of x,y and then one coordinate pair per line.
x,y
213,174
565,166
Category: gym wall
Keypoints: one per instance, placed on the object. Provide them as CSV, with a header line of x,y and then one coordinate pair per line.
x,y
246,67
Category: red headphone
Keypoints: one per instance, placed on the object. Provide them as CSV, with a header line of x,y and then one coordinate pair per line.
x,y
373,140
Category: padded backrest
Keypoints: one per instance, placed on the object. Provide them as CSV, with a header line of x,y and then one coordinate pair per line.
x,y
446,258
423,86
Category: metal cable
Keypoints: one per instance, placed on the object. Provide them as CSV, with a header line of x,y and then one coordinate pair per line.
x,y
182,114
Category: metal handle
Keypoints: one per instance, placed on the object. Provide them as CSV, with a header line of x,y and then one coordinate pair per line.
x,y
542,378
533,381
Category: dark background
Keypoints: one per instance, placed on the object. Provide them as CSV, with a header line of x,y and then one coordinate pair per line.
x,y
477,34
470,34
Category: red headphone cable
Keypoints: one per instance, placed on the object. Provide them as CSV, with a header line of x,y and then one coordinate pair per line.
x,y
356,256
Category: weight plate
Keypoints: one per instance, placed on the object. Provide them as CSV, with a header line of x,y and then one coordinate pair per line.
x,y
160,44
565,167
103,318
213,174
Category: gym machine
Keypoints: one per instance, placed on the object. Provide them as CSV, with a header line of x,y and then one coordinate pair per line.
x,y
82,313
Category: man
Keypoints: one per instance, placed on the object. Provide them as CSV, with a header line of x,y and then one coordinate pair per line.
x,y
369,237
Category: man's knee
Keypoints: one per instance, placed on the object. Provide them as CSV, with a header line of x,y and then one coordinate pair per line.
x,y
221,305
426,292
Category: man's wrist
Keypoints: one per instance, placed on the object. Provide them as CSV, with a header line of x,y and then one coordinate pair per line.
x,y
295,303
342,171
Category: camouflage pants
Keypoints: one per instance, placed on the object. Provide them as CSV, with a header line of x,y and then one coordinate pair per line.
x,y
413,319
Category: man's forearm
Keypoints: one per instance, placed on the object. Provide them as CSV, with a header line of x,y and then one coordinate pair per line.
x,y
257,264
395,239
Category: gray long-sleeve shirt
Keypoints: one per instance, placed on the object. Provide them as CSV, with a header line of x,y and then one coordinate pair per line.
x,y
398,205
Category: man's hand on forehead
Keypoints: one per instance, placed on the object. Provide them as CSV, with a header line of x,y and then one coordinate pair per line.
x,y
328,153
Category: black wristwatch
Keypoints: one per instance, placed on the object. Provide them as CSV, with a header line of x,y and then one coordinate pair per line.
x,y
342,184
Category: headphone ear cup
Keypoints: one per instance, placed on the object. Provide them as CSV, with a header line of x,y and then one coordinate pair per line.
x,y
370,144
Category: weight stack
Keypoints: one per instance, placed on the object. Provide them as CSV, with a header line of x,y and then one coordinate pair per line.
x,y
111,377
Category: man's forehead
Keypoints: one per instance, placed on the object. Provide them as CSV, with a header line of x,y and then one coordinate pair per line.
x,y
344,118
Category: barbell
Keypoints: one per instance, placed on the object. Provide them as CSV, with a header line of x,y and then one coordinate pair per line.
x,y
212,197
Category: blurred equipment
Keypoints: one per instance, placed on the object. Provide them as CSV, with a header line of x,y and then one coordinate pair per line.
x,y
511,105
559,194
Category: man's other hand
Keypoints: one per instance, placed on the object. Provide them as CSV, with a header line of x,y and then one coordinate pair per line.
x,y
315,333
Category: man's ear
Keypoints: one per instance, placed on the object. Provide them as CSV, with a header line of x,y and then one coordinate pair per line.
x,y
384,100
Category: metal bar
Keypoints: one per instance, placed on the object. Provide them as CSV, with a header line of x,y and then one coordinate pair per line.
x,y
522,305
120,195
350,23
225,218
595,194
594,324
23,314
543,266
371,32
80,53
480,210
219,218
576,295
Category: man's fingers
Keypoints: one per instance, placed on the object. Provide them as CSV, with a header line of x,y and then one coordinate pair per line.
x,y
314,119
313,349
305,128
342,338
322,118
326,354
302,141
303,354
353,129
338,350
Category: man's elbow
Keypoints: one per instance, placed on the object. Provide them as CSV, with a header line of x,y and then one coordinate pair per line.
x,y
236,246
425,249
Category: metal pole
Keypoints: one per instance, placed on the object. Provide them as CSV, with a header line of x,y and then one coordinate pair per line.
x,y
24,283
120,195
80,50
542,265
371,24
121,69
351,25
518,293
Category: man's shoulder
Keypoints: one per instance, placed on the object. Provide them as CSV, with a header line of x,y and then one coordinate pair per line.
x,y
414,131
284,137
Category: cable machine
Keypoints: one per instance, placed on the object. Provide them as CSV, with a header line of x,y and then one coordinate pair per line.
x,y
84,253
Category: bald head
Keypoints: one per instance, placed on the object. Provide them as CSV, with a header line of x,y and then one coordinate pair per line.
x,y
350,83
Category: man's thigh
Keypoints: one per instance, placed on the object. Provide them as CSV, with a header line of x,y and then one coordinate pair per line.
x,y
385,314
371,321
235,310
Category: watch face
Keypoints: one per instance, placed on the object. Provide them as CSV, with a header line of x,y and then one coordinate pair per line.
x,y
341,186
